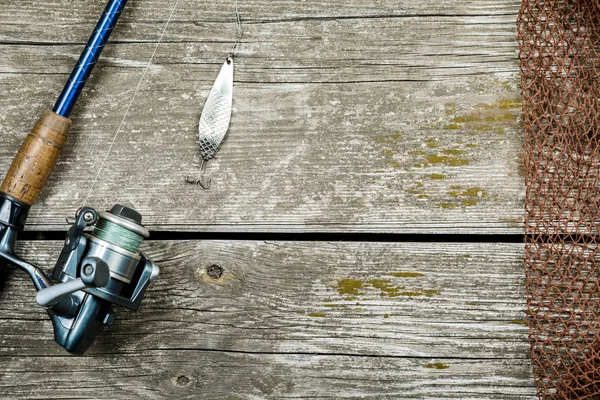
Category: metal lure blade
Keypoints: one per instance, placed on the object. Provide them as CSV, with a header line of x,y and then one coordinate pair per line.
x,y
216,114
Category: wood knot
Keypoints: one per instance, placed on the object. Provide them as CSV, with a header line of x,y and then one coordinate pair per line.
x,y
182,380
215,271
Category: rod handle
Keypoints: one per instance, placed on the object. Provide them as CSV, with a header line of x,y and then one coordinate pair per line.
x,y
36,158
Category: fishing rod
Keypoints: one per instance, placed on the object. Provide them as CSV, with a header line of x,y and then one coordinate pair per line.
x,y
95,270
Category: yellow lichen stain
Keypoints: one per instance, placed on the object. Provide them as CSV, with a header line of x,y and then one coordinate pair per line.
x,y
450,109
503,84
388,153
349,286
456,187
437,177
518,322
471,145
466,118
467,256
453,152
317,314
431,143
386,316
417,152
394,163
437,159
491,117
390,139
423,196
407,274
452,126
386,287
476,192
437,365
510,117
508,103
469,197
472,303
448,206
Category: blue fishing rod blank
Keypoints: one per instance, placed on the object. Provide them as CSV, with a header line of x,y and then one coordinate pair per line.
x,y
88,58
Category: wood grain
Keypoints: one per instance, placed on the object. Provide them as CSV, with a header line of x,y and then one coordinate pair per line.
x,y
429,321
354,117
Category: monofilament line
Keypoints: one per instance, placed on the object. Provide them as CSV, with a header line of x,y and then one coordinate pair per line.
x,y
130,103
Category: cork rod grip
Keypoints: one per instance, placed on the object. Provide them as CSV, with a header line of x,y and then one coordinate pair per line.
x,y
36,158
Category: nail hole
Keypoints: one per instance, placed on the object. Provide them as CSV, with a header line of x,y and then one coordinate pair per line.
x,y
215,271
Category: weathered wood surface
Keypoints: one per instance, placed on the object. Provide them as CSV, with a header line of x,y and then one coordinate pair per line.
x,y
382,116
290,320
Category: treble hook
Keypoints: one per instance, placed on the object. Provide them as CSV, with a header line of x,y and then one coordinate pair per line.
x,y
201,180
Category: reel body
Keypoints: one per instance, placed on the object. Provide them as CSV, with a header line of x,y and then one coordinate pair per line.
x,y
112,250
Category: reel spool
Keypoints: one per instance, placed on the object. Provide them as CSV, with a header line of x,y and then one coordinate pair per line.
x,y
116,239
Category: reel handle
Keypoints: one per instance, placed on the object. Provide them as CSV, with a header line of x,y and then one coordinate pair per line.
x,y
94,273
36,158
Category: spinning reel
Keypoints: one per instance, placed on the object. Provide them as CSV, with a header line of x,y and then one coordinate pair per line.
x,y
94,271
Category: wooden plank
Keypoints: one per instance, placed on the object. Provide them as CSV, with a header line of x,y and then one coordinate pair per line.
x,y
290,320
347,116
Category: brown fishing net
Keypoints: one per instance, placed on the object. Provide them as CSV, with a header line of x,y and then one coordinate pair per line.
x,y
560,63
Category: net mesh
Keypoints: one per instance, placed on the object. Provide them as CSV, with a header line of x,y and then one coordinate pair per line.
x,y
559,44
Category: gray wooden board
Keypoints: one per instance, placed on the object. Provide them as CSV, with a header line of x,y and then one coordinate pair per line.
x,y
428,321
380,117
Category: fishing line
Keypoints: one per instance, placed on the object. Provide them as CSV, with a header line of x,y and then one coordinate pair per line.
x,y
130,104
240,30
